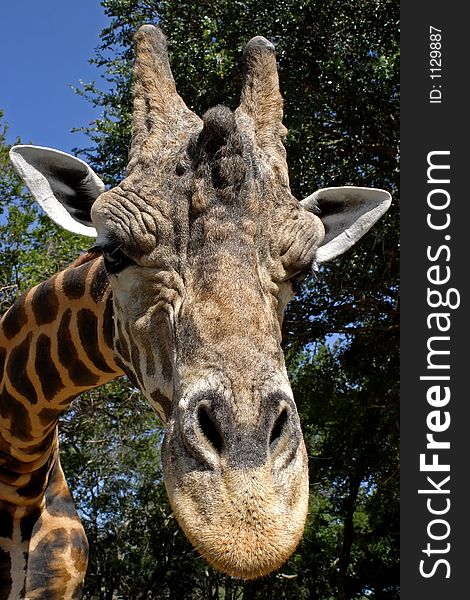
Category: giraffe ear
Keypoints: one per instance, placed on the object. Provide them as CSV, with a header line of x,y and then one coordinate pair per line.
x,y
63,185
347,213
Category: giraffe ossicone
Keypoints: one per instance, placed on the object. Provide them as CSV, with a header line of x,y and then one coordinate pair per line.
x,y
185,293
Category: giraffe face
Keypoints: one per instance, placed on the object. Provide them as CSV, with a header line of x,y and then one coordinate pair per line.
x,y
200,263
201,242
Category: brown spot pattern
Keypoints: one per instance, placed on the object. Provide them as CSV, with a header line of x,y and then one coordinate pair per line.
x,y
108,323
73,282
3,354
88,331
99,283
68,355
11,408
15,319
162,401
49,375
45,303
17,370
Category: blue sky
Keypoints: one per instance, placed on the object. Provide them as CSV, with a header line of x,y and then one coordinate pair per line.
x,y
45,46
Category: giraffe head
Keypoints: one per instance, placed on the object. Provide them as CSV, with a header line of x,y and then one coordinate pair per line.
x,y
202,242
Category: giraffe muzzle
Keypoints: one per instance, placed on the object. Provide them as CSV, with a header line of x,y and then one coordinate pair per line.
x,y
239,490
215,438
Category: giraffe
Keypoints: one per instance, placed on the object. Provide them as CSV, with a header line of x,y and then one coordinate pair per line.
x,y
184,290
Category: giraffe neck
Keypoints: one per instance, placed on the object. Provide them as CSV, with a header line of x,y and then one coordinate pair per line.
x,y
55,343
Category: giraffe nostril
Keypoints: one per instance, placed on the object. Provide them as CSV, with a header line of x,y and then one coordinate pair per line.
x,y
209,429
277,429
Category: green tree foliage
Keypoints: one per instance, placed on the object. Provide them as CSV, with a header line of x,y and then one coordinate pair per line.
x,y
338,66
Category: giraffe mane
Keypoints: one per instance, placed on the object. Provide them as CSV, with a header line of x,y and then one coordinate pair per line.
x,y
85,258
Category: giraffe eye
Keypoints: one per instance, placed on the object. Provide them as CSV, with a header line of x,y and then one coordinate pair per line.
x,y
115,260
